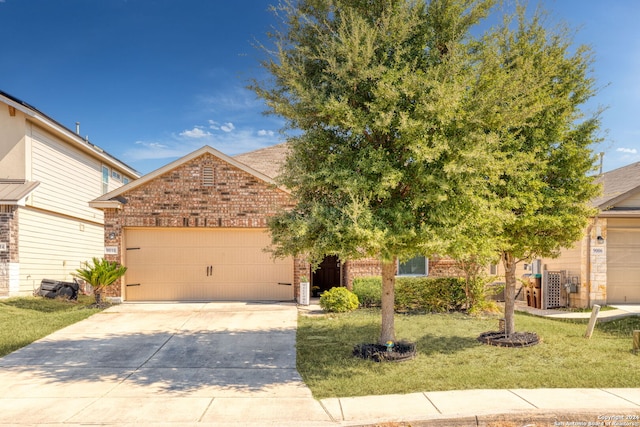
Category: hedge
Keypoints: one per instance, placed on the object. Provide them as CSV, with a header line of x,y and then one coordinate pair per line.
x,y
415,294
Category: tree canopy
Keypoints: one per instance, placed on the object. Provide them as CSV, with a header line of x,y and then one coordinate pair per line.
x,y
417,138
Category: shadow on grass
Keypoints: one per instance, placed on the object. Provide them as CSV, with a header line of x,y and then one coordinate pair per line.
x,y
432,344
47,305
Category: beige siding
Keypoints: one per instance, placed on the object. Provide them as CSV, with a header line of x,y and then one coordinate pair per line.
x,y
623,261
570,260
12,144
631,202
53,247
204,264
69,178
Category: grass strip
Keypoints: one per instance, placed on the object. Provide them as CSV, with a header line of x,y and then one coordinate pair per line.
x,y
27,319
450,358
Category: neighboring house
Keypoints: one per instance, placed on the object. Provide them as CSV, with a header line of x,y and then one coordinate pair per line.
x,y
48,175
196,229
604,266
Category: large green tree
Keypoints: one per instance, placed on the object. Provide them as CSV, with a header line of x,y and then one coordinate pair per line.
x,y
415,137
540,83
390,161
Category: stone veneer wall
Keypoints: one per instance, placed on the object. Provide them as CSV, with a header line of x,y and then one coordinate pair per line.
x,y
8,236
597,286
206,193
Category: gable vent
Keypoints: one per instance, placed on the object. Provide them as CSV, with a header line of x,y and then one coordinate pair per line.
x,y
207,176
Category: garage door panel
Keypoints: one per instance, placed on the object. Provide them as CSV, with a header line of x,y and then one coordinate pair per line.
x,y
196,264
623,266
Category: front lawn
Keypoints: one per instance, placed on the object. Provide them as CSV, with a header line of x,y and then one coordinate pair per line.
x,y
450,358
27,319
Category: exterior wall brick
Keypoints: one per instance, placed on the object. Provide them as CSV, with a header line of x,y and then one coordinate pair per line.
x,y
438,267
206,192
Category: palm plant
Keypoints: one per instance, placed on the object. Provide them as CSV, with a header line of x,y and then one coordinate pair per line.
x,y
100,275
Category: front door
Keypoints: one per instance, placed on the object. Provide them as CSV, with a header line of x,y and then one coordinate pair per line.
x,y
327,275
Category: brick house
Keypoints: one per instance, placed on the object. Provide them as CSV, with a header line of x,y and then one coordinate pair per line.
x,y
196,229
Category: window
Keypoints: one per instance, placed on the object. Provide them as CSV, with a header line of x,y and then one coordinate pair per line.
x,y
125,180
105,179
417,266
116,175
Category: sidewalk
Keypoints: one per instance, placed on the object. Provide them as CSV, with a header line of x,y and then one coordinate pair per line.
x,y
620,310
497,408
503,408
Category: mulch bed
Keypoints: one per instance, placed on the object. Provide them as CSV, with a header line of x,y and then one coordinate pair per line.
x,y
517,339
379,353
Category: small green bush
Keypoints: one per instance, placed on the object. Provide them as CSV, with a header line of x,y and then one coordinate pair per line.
x,y
338,300
368,290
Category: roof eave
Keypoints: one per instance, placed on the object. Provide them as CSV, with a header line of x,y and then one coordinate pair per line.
x,y
49,123
105,204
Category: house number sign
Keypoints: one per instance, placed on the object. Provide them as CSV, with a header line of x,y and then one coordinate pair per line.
x,y
111,250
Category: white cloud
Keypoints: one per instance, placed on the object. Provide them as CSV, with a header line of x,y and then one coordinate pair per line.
x,y
149,144
227,127
627,150
196,132
147,150
149,155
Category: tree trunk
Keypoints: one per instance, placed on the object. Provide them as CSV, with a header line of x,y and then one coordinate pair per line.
x,y
388,330
509,292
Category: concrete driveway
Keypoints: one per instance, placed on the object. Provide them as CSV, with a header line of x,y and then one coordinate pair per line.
x,y
184,363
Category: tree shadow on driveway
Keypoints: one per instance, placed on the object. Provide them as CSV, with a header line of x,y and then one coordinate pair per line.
x,y
212,363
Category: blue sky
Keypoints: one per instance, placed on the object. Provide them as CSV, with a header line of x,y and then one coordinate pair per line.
x,y
150,81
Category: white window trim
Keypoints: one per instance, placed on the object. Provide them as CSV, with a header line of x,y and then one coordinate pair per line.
x,y
426,268
105,179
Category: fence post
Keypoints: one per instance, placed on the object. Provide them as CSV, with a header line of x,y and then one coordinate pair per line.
x,y
592,321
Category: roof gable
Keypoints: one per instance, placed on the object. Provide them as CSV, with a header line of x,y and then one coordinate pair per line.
x,y
113,198
618,185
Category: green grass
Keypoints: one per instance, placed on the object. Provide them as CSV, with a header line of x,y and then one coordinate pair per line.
x,y
450,358
28,319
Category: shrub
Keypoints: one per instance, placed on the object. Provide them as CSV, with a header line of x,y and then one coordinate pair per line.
x,y
368,290
338,300
422,294
440,294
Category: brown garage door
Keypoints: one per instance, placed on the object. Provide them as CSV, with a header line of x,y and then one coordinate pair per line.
x,y
197,265
623,264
